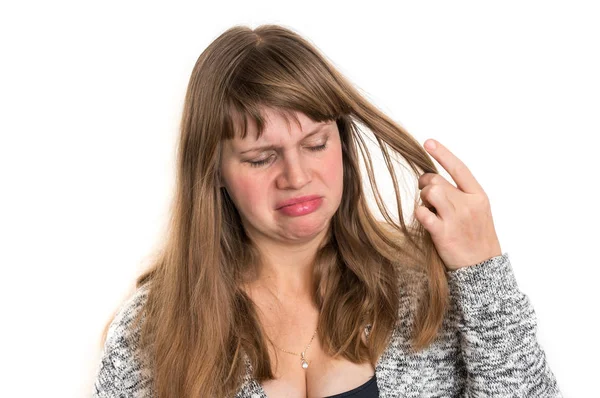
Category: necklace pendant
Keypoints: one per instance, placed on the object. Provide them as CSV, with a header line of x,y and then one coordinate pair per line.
x,y
304,363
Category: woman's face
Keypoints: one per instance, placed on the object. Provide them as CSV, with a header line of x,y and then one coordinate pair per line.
x,y
299,162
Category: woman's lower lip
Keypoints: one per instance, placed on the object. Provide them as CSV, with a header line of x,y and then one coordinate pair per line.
x,y
302,208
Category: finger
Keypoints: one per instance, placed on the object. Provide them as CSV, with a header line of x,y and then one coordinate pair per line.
x,y
436,179
429,220
433,178
436,196
460,173
428,205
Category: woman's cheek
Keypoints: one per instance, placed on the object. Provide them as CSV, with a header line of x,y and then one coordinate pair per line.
x,y
248,192
333,169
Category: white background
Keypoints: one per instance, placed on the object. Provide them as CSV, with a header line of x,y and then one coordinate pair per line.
x,y
90,100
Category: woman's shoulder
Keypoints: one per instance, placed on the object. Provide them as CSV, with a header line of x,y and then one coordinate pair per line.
x,y
123,329
122,367
408,262
412,284
412,277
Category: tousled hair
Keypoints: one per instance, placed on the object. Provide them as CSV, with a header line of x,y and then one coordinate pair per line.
x,y
201,330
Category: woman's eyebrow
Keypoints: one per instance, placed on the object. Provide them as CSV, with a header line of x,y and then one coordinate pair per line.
x,y
268,147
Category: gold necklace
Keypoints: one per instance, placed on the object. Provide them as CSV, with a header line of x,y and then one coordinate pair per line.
x,y
303,361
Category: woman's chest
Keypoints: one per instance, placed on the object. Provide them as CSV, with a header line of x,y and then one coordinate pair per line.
x,y
324,376
290,331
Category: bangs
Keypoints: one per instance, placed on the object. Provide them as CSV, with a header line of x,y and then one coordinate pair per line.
x,y
284,76
237,122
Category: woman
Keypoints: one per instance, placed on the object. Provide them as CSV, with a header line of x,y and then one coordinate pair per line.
x,y
277,280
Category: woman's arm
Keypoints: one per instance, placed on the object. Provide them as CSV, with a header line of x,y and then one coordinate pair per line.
x,y
497,326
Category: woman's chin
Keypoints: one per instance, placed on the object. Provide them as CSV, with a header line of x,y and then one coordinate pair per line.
x,y
306,229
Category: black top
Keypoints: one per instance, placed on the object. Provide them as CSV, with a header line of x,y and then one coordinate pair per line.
x,y
367,390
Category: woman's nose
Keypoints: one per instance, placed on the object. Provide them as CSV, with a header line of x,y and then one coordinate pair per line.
x,y
295,173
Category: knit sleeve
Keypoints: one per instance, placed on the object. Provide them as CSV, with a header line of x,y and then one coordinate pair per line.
x,y
497,326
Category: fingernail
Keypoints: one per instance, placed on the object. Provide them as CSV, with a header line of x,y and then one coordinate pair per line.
x,y
430,144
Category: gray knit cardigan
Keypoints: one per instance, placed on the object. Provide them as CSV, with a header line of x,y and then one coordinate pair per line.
x,y
487,346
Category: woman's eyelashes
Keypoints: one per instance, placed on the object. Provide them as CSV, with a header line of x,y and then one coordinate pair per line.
x,y
258,163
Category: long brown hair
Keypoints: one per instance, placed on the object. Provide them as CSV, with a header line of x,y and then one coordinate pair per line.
x,y
199,324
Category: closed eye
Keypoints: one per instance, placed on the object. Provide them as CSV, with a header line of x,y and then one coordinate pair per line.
x,y
259,163
318,148
265,161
